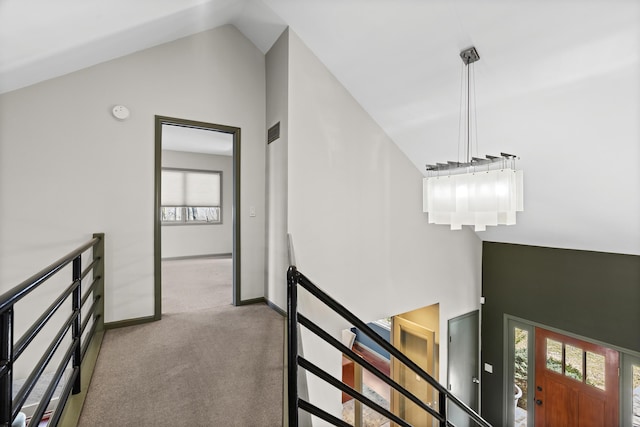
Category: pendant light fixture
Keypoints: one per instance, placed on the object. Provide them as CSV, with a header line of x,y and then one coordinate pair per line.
x,y
479,191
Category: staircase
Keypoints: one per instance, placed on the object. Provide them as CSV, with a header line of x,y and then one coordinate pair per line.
x,y
296,403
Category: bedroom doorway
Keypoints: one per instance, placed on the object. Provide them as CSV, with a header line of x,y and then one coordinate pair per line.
x,y
196,197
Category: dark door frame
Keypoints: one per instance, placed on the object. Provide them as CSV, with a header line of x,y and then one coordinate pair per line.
x,y
235,132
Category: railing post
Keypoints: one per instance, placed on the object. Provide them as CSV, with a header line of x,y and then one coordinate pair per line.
x,y
442,403
292,349
76,327
6,360
98,271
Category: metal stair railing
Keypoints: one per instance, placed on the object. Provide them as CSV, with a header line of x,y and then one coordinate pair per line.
x,y
77,322
295,278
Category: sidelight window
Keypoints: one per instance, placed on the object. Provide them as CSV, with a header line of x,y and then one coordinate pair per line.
x,y
635,394
519,379
521,374
630,395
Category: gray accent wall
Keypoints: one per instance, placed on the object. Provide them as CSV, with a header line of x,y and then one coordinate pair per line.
x,y
592,294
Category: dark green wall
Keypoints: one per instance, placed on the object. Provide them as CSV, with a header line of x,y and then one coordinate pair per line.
x,y
592,294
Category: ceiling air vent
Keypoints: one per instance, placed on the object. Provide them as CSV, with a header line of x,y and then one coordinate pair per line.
x,y
273,133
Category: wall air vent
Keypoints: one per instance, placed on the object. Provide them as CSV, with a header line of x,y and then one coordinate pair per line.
x,y
273,133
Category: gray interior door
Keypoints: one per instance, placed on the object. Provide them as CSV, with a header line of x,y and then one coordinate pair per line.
x,y
463,368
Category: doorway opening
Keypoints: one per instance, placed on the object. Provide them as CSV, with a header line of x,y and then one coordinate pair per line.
x,y
196,198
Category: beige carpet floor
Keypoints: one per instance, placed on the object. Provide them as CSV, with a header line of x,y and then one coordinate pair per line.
x,y
212,366
196,284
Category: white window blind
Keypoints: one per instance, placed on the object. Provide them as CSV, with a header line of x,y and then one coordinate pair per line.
x,y
190,188
172,188
202,189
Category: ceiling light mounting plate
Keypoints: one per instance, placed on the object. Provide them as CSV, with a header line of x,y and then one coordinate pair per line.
x,y
469,55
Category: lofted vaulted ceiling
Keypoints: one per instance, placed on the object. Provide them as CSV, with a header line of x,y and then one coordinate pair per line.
x,y
558,84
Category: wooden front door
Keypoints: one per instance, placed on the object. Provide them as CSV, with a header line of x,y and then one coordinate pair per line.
x,y
576,382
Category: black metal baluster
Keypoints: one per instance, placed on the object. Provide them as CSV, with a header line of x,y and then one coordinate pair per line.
x,y
6,360
76,327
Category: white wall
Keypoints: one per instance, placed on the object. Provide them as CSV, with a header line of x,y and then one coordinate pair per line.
x,y
277,63
68,168
201,239
355,214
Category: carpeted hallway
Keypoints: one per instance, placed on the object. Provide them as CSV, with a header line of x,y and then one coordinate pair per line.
x,y
206,363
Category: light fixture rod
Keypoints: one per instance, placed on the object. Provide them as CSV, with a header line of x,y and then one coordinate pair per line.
x,y
469,56
468,113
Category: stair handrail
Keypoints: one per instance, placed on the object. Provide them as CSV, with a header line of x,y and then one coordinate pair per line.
x,y
11,349
295,277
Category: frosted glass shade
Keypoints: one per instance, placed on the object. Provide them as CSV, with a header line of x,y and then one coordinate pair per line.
x,y
479,199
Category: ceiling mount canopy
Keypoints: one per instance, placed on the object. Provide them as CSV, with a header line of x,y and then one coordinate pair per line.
x,y
477,191
470,55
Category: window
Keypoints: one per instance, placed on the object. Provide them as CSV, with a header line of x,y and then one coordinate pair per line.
x,y
574,362
519,381
636,394
520,375
630,396
554,355
191,197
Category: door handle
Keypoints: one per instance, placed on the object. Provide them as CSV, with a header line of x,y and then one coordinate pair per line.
x,y
538,402
475,380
